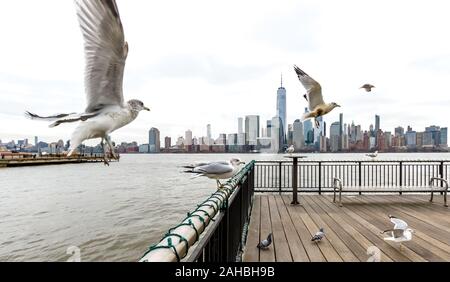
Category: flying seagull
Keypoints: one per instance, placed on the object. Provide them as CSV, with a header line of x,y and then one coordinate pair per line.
x,y
317,107
290,150
105,51
372,155
264,244
318,236
400,233
215,170
367,87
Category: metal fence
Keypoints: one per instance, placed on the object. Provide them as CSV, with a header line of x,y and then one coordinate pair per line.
x,y
370,176
225,237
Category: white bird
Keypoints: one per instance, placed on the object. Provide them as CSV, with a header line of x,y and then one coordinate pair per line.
x,y
318,236
317,107
372,155
290,150
216,170
264,244
400,233
105,53
367,87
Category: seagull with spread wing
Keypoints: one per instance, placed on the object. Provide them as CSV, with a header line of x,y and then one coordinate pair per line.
x,y
105,52
317,107
400,233
368,87
215,170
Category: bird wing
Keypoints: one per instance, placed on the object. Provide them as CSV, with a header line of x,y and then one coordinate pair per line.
x,y
105,52
313,88
214,168
399,224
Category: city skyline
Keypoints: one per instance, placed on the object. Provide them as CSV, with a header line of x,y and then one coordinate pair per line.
x,y
232,71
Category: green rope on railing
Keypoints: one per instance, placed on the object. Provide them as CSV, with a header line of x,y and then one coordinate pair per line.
x,y
168,246
221,195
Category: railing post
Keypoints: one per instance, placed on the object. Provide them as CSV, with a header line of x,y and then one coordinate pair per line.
x,y
401,176
320,178
279,178
294,181
360,177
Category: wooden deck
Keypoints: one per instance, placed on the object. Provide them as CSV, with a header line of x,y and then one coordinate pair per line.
x,y
350,230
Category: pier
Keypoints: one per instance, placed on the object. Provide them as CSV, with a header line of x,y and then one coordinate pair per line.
x,y
293,199
33,160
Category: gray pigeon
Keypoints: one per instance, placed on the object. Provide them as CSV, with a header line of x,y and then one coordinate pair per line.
x,y
318,236
264,244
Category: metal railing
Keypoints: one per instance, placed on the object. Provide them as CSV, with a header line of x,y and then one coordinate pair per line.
x,y
371,176
220,224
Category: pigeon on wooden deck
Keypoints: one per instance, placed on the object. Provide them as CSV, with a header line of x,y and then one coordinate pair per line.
x,y
215,170
318,236
368,87
400,233
264,244
317,106
105,51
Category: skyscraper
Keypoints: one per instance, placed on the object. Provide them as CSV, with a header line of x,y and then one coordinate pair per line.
x,y
269,128
307,128
276,135
443,141
188,137
252,129
240,130
153,140
208,131
335,137
167,142
377,127
281,109
298,137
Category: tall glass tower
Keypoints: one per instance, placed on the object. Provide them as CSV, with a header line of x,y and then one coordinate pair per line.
x,y
281,109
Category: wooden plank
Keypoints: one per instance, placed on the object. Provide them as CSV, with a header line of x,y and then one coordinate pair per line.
x,y
437,220
282,252
346,247
267,255
325,246
313,251
370,231
295,244
378,215
251,252
425,206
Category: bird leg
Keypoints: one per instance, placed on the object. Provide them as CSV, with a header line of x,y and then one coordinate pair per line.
x,y
317,123
219,185
111,148
105,159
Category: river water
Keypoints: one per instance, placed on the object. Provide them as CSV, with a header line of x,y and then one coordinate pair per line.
x,y
110,213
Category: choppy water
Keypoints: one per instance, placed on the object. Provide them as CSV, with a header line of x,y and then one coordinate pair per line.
x,y
110,213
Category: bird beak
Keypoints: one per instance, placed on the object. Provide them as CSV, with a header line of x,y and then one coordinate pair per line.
x,y
338,105
242,163
147,109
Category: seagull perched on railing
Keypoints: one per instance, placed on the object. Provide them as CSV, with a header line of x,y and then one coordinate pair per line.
x,y
368,87
215,170
400,233
318,236
290,150
105,52
372,155
264,244
317,107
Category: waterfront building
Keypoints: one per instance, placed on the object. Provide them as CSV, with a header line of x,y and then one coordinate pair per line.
x,y
297,136
444,133
240,128
411,139
144,148
188,138
377,128
276,135
154,140
251,129
269,128
335,137
167,142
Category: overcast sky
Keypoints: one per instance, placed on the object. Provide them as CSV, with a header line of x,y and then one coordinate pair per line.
x,y
199,62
